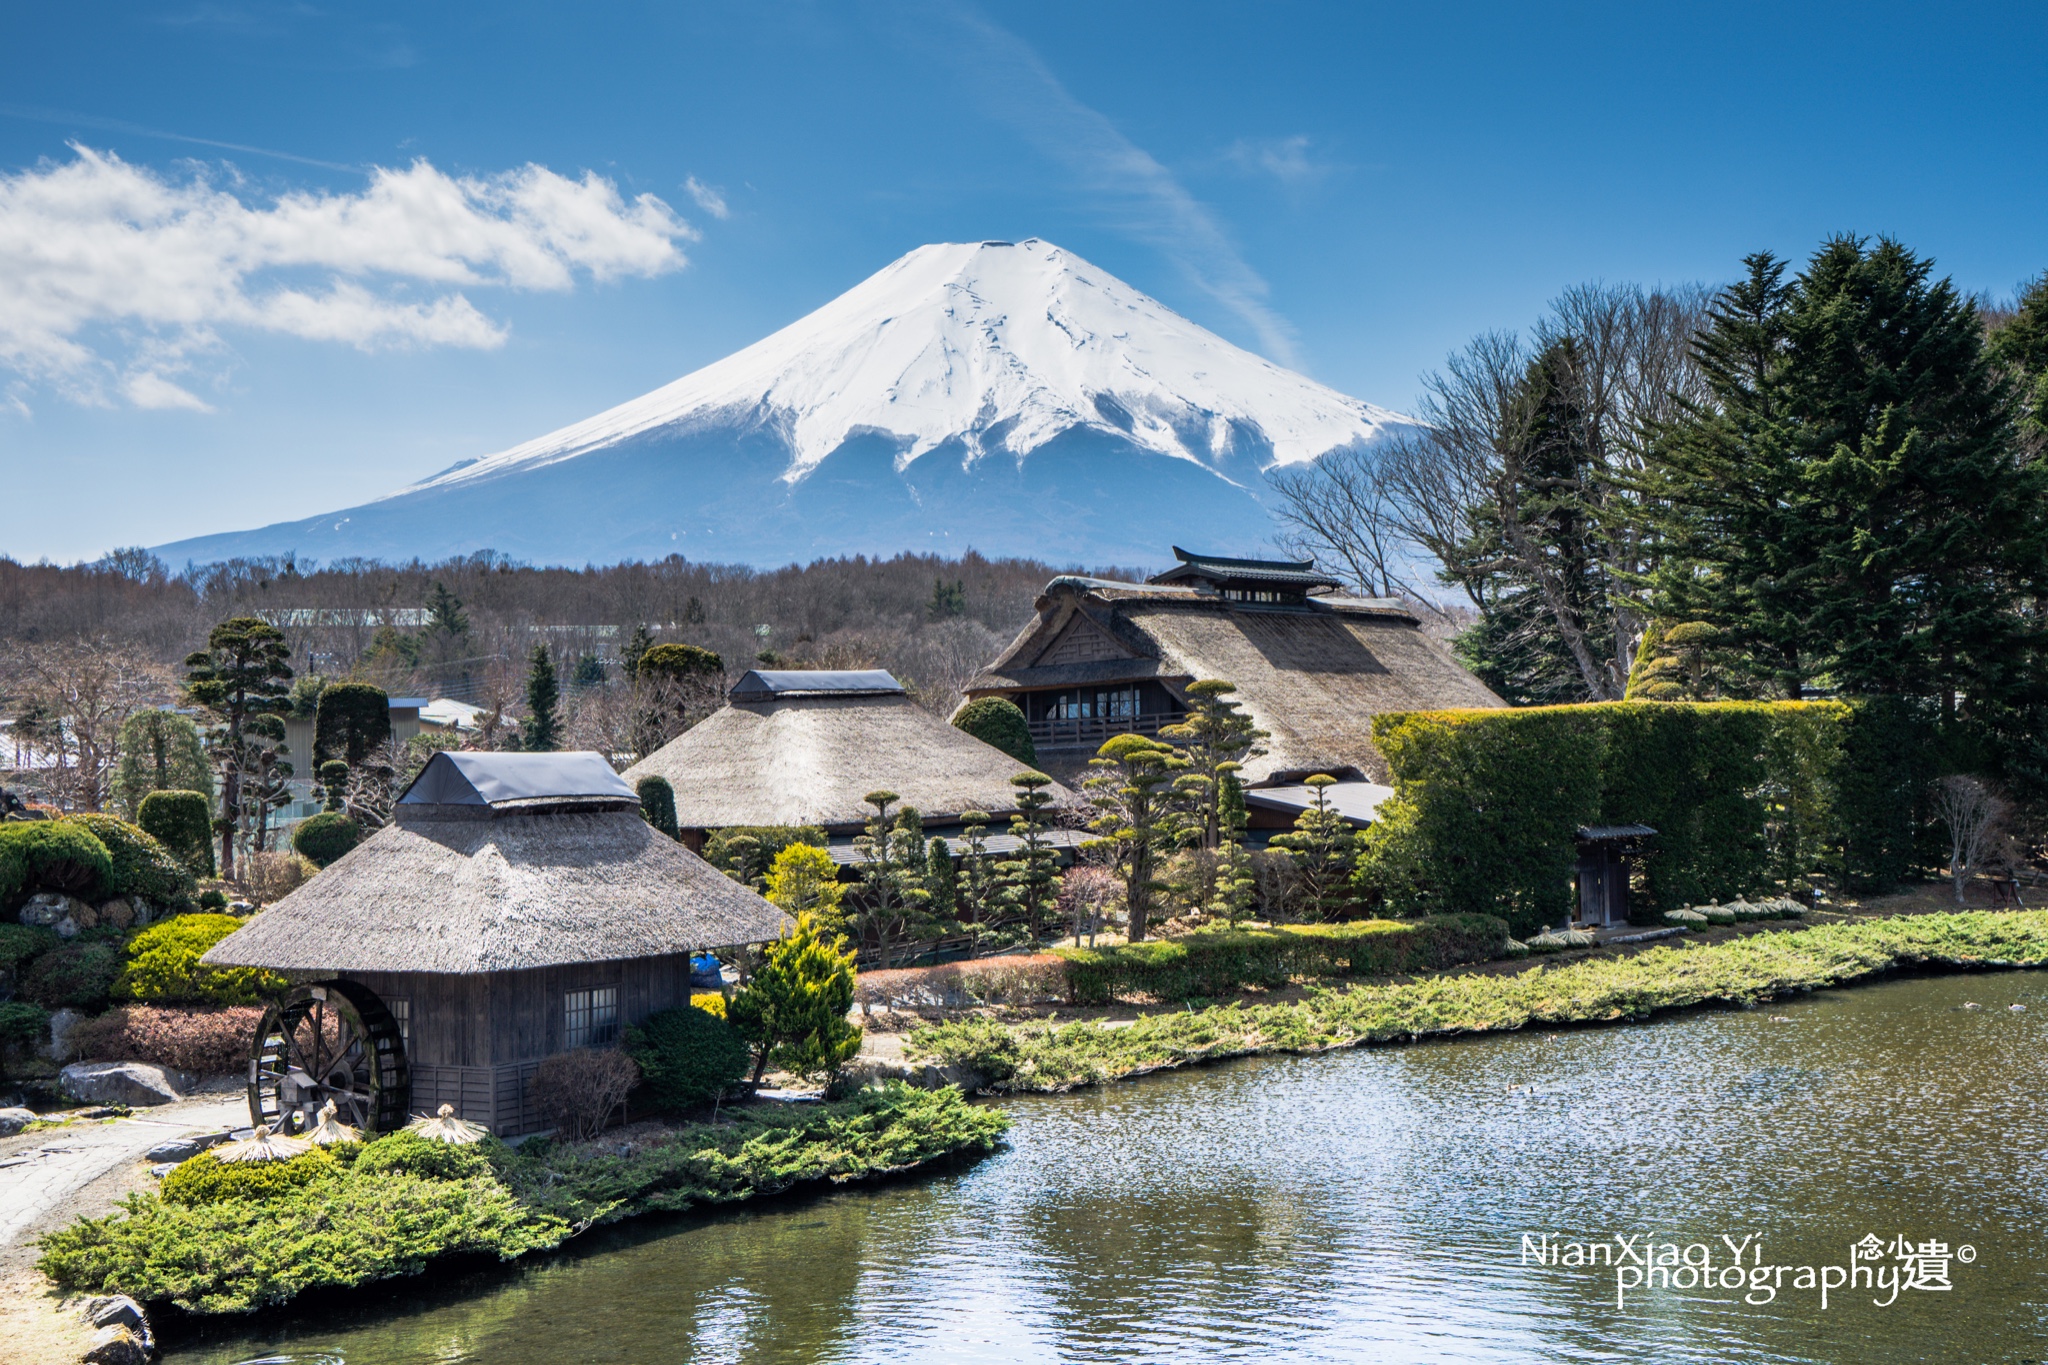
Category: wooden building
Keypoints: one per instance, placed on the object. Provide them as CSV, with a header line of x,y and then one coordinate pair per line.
x,y
805,747
1605,855
1312,667
517,906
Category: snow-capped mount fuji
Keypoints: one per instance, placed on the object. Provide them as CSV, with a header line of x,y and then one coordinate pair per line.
x,y
1008,397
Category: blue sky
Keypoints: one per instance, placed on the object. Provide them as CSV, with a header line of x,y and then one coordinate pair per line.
x,y
1353,189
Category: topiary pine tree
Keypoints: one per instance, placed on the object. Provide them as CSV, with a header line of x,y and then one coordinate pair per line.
x,y
1325,849
1215,736
183,823
352,721
942,881
542,732
1140,815
998,723
793,1009
244,671
658,804
1029,880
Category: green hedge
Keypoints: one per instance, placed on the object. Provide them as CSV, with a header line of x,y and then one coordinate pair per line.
x,y
183,823
140,864
1742,795
1224,962
51,855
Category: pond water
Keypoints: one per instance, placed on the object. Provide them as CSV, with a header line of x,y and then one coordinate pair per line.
x,y
1361,1206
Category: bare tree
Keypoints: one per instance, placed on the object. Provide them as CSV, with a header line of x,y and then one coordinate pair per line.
x,y
1975,816
80,693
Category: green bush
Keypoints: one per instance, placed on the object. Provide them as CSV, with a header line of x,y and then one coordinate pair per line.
x,y
205,1179
21,1022
214,901
57,855
1223,962
746,852
997,722
679,663
326,837
687,1056
163,966
183,823
351,722
142,866
20,942
412,1154
1487,803
658,803
76,976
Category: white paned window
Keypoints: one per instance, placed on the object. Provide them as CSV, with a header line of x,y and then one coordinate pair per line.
x,y
591,1018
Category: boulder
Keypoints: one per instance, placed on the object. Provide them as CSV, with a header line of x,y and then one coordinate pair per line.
x,y
117,1346
186,1147
136,1083
13,1121
85,916
145,913
61,1024
116,1310
117,914
50,910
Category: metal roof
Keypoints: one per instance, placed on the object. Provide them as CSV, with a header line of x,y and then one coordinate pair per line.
x,y
466,779
763,684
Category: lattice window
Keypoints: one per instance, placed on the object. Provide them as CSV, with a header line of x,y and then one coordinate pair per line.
x,y
591,1018
401,1014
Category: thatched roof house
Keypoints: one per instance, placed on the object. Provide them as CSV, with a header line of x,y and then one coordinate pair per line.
x,y
1311,665
805,747
517,906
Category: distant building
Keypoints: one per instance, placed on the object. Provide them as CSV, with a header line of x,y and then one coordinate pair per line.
x,y
1312,666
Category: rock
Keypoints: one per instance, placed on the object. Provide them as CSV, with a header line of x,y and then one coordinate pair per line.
x,y
61,1024
66,927
13,1121
116,1310
120,1083
163,1168
145,913
50,909
85,917
186,1147
117,914
117,1346
241,907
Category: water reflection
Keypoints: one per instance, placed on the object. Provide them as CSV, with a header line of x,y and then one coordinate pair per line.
x,y
1362,1206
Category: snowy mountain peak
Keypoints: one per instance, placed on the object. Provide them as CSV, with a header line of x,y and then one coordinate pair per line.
x,y
997,346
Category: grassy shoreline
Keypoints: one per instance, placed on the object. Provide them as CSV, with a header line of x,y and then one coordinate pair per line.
x,y
1052,1057
360,1227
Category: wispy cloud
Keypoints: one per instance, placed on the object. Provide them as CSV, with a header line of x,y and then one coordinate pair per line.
x,y
1286,159
116,277
708,199
1142,197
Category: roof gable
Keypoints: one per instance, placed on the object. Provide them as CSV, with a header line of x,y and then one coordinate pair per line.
x,y
481,779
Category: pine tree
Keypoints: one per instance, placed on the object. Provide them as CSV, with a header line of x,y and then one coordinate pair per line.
x,y
542,732
242,673
942,881
1140,815
1029,880
893,897
2021,348
1215,737
805,881
160,751
793,1009
1325,849
636,647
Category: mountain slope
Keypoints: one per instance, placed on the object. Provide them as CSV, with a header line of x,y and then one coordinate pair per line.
x,y
1007,397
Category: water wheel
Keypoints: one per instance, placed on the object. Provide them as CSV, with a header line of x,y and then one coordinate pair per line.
x,y
331,1041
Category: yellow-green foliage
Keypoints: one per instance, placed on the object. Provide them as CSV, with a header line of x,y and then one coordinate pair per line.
x,y
1486,802
711,1002
793,1009
413,1154
803,879
1221,962
205,1179
163,966
1597,990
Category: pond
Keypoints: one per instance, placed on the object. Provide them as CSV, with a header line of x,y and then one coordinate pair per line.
x,y
1367,1205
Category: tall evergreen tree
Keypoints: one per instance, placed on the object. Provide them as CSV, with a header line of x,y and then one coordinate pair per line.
x,y
242,673
2021,347
542,731
1854,509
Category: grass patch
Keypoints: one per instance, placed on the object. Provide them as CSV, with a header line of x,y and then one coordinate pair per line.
x,y
370,1220
1053,1057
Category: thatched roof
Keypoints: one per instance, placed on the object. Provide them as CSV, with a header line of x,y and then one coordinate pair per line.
x,y
1313,673
810,757
521,883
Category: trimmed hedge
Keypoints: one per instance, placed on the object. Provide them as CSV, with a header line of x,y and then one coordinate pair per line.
x,y
52,855
163,966
428,1158
1486,804
183,823
20,942
325,837
141,865
1224,962
657,803
997,722
77,976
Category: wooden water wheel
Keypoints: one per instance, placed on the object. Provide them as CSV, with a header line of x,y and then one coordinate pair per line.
x,y
331,1041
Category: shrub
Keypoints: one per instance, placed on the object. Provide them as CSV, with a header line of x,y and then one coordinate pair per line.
x,y
77,976
58,855
411,1154
20,942
686,1056
163,966
326,837
205,1179
679,662
978,981
658,803
579,1091
273,876
746,852
998,723
183,823
213,900
1222,962
711,1002
206,1042
141,865
23,1023
793,1009
351,722
160,751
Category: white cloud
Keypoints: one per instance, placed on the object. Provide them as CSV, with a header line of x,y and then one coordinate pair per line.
x,y
1144,198
110,273
708,199
1286,159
